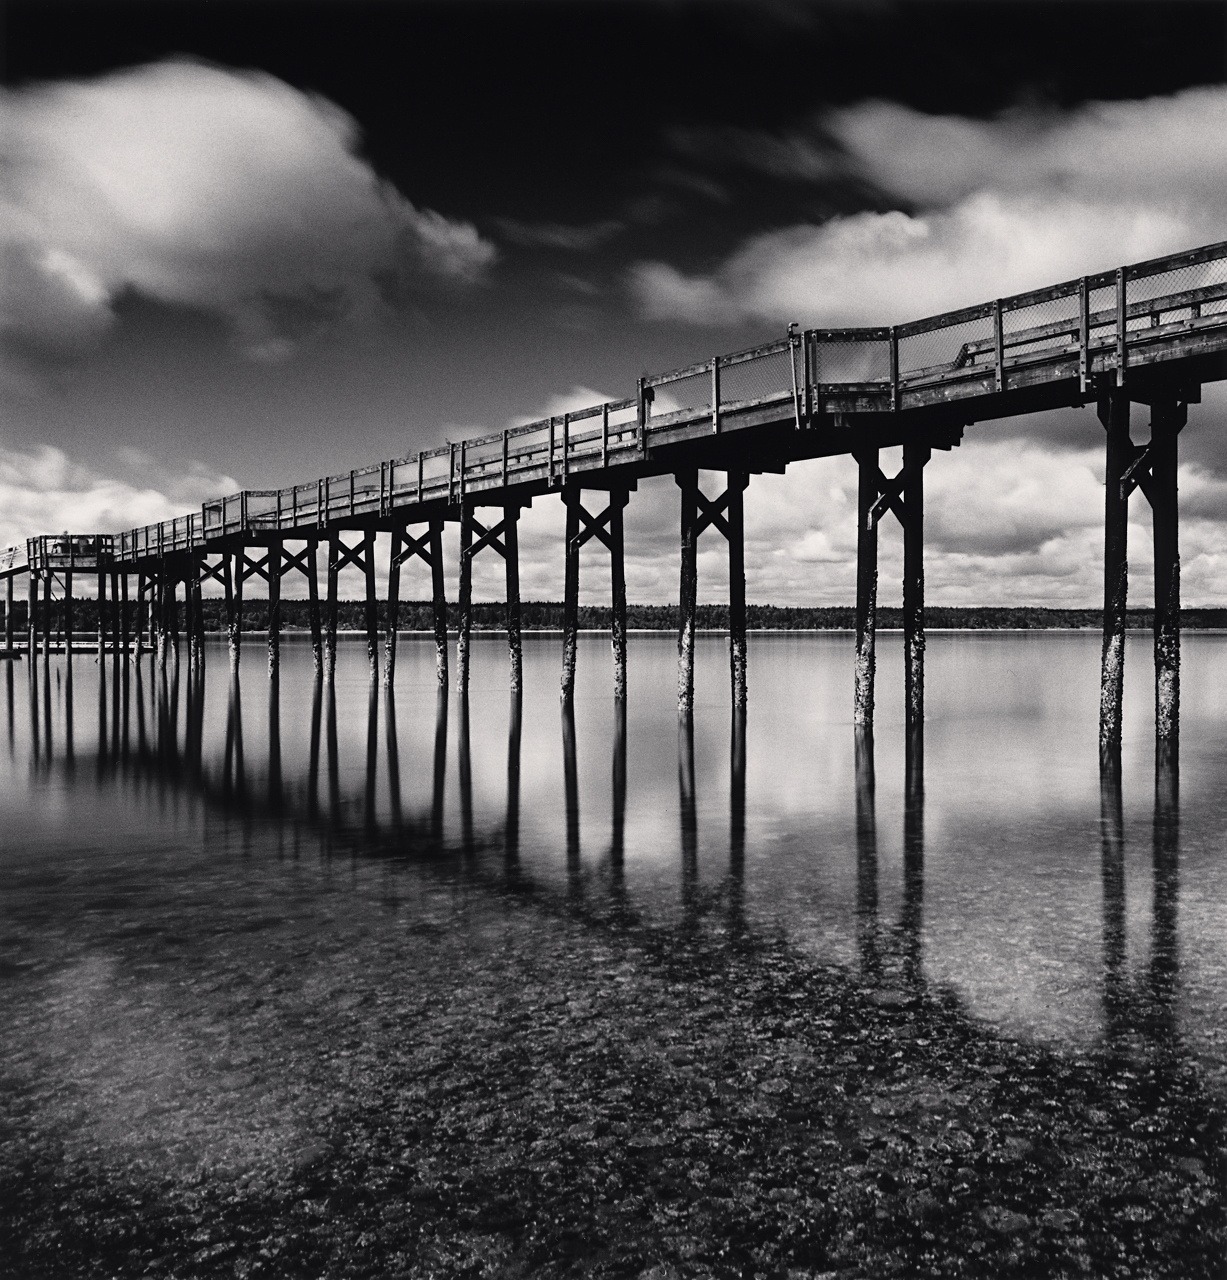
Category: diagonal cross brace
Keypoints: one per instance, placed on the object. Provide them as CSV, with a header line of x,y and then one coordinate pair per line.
x,y
252,568
1138,473
207,571
349,555
413,547
890,491
890,498
596,526
710,513
488,538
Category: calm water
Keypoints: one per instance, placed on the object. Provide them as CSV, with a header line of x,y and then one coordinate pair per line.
x,y
135,808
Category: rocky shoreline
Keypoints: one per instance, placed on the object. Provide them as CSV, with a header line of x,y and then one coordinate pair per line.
x,y
544,1092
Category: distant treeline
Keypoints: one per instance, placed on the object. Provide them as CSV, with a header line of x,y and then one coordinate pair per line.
x,y
537,615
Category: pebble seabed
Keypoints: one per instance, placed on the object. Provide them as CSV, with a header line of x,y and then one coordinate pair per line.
x,y
495,1085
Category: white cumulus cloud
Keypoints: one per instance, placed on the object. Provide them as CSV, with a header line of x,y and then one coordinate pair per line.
x,y
983,209
208,188
44,491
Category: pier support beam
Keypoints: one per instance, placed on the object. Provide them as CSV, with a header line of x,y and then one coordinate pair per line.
x,y
465,602
438,601
904,495
372,603
735,533
726,515
503,538
570,593
1167,418
32,614
1114,414
102,612
868,491
511,556
330,616
915,456
393,618
198,622
606,527
273,571
8,613
313,598
68,618
233,583
429,547
617,581
688,587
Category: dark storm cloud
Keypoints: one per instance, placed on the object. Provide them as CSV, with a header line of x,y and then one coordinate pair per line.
x,y
556,235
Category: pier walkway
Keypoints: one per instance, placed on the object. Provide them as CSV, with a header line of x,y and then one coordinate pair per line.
x,y
1151,333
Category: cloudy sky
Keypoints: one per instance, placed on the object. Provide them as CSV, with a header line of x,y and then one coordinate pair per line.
x,y
248,244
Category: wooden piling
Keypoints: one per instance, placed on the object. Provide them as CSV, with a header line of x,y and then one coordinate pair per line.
x,y
172,609
571,495
735,519
31,614
273,568
8,613
142,588
330,616
102,610
124,623
438,601
68,618
1167,418
465,602
866,589
688,482
189,621
617,581
47,577
1114,414
393,619
313,606
372,603
915,456
113,616
198,620
232,583
515,644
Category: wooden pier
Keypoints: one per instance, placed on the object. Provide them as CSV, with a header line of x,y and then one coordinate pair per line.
x,y
1148,334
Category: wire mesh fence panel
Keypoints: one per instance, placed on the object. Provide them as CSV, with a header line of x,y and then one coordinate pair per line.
x,y
850,359
1184,279
1044,328
760,378
691,395
1101,303
945,350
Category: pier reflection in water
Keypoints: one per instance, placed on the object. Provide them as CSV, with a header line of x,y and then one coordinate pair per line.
x,y
994,860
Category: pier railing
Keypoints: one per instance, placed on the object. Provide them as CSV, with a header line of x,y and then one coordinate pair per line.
x,y
1118,320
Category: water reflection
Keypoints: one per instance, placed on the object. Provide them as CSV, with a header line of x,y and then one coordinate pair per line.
x,y
1141,1010
688,814
511,826
868,940
570,789
617,817
865,872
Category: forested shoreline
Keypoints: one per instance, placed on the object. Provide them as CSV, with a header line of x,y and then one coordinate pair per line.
x,y
544,615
